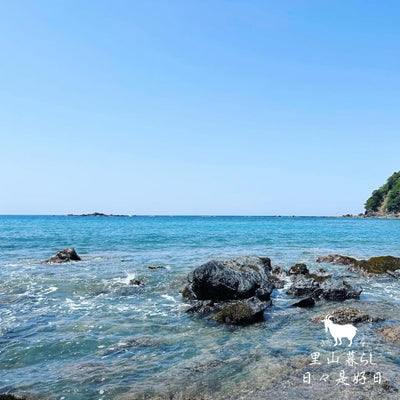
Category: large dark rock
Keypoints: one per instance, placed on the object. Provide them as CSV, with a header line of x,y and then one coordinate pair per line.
x,y
305,303
329,289
237,278
63,256
238,289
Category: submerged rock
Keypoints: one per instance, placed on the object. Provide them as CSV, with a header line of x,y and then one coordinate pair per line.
x,y
63,256
156,267
136,282
238,289
394,274
390,334
346,315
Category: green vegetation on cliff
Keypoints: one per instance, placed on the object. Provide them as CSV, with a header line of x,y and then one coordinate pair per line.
x,y
386,199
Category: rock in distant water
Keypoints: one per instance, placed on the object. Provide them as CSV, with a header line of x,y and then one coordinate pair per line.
x,y
346,315
136,282
63,256
238,289
156,267
337,259
390,334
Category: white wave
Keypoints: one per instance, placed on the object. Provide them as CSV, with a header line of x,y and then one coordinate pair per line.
x,y
168,297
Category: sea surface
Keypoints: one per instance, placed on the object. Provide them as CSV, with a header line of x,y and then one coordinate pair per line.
x,y
81,331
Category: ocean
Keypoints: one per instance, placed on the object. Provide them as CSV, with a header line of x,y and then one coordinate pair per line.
x,y
80,331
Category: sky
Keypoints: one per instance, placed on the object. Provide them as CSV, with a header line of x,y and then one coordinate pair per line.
x,y
200,107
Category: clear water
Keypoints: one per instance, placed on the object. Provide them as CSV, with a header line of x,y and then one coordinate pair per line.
x,y
80,331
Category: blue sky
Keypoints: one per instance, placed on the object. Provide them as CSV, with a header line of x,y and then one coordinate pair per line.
x,y
197,107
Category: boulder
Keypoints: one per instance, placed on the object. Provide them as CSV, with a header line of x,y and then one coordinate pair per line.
x,y
298,269
330,289
243,312
346,315
63,256
237,278
390,334
238,289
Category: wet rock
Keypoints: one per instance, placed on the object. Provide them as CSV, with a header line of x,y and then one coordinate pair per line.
x,y
390,334
238,289
243,312
277,282
374,265
156,267
63,256
238,278
378,265
305,303
338,289
278,271
330,289
337,259
346,315
298,269
136,282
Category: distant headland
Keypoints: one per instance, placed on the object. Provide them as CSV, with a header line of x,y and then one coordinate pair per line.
x,y
383,202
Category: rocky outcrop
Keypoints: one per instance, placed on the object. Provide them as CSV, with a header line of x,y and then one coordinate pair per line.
x,y
238,289
330,289
346,315
374,265
390,334
63,256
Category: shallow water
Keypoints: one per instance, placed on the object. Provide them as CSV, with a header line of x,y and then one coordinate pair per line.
x,y
80,331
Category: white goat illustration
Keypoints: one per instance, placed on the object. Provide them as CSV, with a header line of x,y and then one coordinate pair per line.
x,y
339,331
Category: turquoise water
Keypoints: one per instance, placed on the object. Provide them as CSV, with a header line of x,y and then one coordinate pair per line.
x,y
80,331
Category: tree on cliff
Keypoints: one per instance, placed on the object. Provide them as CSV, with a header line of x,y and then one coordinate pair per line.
x,y
386,199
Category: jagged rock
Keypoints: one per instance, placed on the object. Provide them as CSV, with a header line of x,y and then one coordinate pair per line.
x,y
238,289
390,334
346,315
63,256
238,278
303,287
330,289
298,269
278,271
305,303
243,312
338,289
277,282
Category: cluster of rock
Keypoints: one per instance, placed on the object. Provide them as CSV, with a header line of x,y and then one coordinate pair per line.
x,y
234,291
374,265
